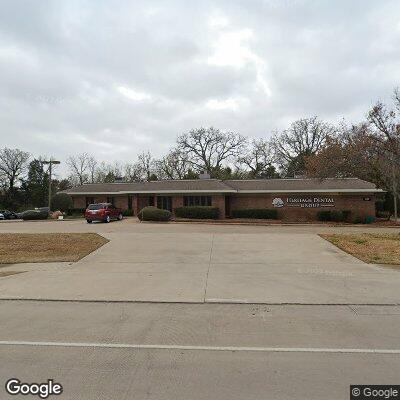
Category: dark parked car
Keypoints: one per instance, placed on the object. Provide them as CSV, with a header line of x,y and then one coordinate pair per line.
x,y
102,212
6,214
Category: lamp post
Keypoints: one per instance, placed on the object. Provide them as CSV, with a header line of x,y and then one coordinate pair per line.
x,y
50,162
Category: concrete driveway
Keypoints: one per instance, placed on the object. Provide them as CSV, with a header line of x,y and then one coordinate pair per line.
x,y
205,263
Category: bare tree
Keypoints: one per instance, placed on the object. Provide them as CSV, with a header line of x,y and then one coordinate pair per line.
x,y
351,153
259,159
209,148
13,163
108,172
79,167
175,165
132,172
304,138
146,164
386,125
92,168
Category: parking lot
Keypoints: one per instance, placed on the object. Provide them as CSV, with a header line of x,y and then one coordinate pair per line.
x,y
204,263
201,311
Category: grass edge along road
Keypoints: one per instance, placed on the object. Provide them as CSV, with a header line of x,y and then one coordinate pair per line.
x,y
47,247
372,248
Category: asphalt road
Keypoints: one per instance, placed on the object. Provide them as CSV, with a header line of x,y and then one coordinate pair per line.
x,y
198,351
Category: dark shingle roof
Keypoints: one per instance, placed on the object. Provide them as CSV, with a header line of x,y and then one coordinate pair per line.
x,y
229,186
277,185
202,185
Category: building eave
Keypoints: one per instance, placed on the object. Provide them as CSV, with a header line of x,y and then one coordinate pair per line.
x,y
152,192
277,191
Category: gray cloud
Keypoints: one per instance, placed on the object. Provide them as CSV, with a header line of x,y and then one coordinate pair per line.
x,y
116,78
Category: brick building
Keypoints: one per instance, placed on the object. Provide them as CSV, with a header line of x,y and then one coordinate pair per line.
x,y
295,199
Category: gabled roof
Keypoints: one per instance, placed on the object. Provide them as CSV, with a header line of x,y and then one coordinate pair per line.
x,y
166,186
329,185
310,185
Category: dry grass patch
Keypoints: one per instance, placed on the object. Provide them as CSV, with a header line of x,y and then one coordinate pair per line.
x,y
47,247
369,247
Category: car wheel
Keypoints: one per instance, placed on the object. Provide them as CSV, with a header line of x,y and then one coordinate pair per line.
x,y
120,216
107,220
88,221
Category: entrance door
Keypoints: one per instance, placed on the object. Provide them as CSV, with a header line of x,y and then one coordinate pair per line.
x,y
164,202
227,206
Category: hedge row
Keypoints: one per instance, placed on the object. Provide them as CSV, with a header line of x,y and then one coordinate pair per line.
x,y
256,213
344,216
197,212
334,215
154,214
34,214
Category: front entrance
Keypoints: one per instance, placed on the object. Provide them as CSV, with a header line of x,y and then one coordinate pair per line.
x,y
227,206
164,202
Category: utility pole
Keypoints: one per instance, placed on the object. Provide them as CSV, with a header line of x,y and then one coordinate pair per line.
x,y
394,191
50,162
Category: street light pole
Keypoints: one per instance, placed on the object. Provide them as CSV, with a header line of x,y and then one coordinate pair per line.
x,y
394,191
50,163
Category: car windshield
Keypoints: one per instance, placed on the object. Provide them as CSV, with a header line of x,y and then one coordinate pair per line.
x,y
95,206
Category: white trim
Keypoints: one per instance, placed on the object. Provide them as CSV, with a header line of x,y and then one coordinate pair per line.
x,y
151,192
314,191
201,348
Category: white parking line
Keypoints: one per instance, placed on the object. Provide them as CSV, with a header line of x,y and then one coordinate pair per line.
x,y
201,348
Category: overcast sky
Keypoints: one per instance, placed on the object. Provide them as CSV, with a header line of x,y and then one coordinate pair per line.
x,y
114,78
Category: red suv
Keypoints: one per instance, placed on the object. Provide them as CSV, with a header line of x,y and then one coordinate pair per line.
x,y
102,212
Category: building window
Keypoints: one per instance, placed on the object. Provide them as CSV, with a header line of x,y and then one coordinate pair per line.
x,y
151,201
89,200
197,201
111,200
164,202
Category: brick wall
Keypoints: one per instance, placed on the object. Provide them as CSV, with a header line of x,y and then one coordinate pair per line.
x,y
177,201
219,201
79,201
121,201
355,203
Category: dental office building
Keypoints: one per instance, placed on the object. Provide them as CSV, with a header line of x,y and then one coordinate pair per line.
x,y
295,199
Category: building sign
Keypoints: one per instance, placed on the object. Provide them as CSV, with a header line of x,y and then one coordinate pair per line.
x,y
277,202
304,202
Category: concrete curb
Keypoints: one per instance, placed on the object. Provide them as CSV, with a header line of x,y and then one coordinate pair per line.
x,y
9,299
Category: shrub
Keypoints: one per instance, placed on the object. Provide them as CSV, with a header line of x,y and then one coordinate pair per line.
x,y
324,215
256,213
197,212
61,201
380,205
346,215
34,214
369,219
337,216
154,214
334,215
127,213
383,214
